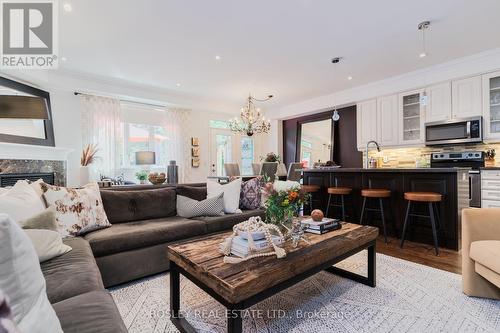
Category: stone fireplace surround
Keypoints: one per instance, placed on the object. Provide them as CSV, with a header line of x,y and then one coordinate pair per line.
x,y
8,166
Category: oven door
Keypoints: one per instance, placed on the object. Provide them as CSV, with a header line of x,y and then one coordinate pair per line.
x,y
453,132
474,188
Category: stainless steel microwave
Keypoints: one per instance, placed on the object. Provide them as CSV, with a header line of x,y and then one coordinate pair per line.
x,y
466,130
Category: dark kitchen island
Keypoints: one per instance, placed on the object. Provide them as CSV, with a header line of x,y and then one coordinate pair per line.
x,y
452,183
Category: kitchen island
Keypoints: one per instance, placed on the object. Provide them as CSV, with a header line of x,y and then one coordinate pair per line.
x,y
452,183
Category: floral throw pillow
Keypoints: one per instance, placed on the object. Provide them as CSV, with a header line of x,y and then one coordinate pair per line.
x,y
250,195
78,211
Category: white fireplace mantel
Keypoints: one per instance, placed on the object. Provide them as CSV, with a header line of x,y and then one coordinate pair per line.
x,y
16,151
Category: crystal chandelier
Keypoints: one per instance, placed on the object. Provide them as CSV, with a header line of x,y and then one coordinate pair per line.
x,y
251,119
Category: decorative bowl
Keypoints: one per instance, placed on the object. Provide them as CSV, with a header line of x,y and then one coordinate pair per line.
x,y
157,178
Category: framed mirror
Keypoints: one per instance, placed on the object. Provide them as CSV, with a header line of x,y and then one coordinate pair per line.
x,y
315,141
25,114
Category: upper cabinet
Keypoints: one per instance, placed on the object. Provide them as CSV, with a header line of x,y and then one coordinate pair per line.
x,y
366,119
491,105
438,102
467,99
411,118
387,120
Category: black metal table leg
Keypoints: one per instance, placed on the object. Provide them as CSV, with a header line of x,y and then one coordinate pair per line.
x,y
175,291
234,320
370,279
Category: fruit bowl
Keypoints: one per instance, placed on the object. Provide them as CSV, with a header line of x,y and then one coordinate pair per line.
x,y
157,178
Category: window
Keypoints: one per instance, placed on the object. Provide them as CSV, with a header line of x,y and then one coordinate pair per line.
x,y
246,156
218,124
140,137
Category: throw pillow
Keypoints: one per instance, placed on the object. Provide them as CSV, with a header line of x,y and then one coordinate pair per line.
x,y
231,192
189,208
78,211
48,244
21,278
192,192
21,201
250,196
7,324
44,220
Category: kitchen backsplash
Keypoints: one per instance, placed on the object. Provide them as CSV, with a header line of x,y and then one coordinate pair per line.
x,y
420,157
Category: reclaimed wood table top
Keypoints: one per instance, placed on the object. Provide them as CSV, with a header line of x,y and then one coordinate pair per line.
x,y
202,258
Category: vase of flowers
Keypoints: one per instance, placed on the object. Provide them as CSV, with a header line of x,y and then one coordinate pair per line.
x,y
271,157
142,176
490,158
283,201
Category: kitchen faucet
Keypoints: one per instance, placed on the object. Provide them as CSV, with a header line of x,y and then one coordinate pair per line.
x,y
366,151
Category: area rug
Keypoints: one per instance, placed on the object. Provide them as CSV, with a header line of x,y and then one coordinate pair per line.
x,y
408,298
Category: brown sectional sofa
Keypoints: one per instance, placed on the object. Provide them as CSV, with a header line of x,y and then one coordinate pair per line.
x,y
144,223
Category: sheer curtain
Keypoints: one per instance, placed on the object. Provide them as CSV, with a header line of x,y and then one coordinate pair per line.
x,y
102,126
176,122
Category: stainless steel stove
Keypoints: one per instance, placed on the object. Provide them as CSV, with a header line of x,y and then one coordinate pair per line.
x,y
469,159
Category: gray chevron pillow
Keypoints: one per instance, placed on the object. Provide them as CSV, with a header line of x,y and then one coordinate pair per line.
x,y
188,208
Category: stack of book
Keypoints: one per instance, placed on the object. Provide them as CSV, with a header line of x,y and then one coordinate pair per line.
x,y
321,227
240,246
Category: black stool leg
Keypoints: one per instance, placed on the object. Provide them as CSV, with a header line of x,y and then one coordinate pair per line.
x,y
383,218
362,211
434,231
438,219
405,224
328,207
343,207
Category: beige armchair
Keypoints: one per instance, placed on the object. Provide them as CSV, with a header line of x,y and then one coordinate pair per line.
x,y
481,252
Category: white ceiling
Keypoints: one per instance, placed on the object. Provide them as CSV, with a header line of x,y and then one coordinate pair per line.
x,y
281,47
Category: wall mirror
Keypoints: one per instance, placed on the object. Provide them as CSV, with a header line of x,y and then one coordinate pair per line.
x,y
25,114
315,142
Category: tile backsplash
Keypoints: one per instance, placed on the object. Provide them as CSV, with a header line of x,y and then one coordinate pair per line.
x,y
412,157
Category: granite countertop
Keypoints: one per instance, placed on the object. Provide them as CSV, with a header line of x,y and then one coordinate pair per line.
x,y
415,170
490,168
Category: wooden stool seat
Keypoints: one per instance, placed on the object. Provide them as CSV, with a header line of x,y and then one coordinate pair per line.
x,y
339,190
375,193
423,196
310,188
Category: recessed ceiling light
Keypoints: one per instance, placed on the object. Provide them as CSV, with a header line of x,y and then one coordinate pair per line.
x,y
67,7
349,78
217,57
64,58
422,55
178,84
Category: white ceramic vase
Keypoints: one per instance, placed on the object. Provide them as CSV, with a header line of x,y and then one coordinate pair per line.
x,y
84,175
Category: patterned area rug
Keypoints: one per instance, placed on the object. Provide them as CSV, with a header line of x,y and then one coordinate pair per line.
x,y
408,298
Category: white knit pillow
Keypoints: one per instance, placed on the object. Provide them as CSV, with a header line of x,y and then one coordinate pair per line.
x,y
22,281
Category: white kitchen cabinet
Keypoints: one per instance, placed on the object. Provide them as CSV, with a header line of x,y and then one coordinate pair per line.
x,y
387,121
438,105
490,188
491,106
411,118
366,119
467,99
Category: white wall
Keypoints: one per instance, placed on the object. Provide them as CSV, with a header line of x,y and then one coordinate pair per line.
x,y
67,109
463,67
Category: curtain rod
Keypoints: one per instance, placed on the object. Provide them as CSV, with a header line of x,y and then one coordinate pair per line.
x,y
123,100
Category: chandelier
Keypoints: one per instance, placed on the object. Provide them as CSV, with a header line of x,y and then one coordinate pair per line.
x,y
251,119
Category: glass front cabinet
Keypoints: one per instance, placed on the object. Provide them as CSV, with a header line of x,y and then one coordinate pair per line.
x,y
411,117
491,104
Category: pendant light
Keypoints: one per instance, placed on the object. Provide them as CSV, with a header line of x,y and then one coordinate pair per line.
x,y
422,27
336,115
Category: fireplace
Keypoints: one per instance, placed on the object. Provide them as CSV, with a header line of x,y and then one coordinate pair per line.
x,y
9,179
51,171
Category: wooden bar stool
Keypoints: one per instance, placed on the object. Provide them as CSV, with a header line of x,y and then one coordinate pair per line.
x,y
310,189
338,192
375,193
431,199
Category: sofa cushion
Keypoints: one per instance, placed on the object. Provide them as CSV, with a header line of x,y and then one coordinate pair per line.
x,y
125,206
89,313
486,252
226,222
487,273
192,192
133,235
73,273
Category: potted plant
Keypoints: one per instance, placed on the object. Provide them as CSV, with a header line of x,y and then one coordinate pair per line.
x,y
271,157
283,200
490,158
142,176
88,157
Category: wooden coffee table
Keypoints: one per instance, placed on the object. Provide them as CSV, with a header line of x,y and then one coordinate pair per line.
x,y
239,286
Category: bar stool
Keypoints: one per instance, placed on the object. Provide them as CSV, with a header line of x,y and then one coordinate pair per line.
x,y
337,191
375,193
431,199
310,189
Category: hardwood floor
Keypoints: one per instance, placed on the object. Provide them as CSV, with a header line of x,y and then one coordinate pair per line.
x,y
447,260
